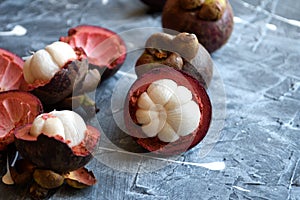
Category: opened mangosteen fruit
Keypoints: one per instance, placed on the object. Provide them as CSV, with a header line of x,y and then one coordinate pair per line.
x,y
181,51
11,72
58,141
167,111
210,20
57,73
105,50
17,109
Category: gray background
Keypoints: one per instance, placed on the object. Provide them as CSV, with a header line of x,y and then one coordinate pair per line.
x,y
259,70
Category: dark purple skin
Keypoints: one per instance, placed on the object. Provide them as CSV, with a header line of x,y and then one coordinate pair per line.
x,y
155,4
52,153
211,34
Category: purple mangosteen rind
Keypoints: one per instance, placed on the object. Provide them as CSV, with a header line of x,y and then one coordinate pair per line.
x,y
212,34
53,153
63,82
153,144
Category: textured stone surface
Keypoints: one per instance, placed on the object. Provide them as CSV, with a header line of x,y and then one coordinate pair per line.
x,y
259,70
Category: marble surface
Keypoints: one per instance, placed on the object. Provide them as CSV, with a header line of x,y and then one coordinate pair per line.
x,y
253,147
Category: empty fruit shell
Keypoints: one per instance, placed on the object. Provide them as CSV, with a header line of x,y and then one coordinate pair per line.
x,y
17,109
104,48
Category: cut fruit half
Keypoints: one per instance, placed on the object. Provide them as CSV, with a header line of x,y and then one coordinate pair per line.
x,y
17,109
104,48
11,72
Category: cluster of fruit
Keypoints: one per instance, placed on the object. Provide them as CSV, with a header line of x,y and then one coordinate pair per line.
x,y
167,109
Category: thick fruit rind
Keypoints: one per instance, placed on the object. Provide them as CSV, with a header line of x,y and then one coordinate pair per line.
x,y
87,37
11,72
62,84
211,34
80,178
53,152
17,109
154,144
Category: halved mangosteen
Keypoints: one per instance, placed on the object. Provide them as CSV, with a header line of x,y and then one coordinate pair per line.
x,y
181,51
11,72
104,48
167,111
58,141
17,109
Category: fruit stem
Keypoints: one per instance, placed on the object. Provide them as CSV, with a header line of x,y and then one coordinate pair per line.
x,y
212,10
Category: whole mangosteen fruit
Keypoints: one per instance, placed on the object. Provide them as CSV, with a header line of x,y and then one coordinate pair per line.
x,y
167,111
210,20
181,51
59,141
105,50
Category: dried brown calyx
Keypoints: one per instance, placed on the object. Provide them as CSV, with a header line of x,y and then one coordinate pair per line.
x,y
210,20
206,9
181,51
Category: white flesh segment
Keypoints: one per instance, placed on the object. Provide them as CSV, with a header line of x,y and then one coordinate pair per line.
x,y
42,67
61,53
50,126
74,126
181,96
153,127
161,91
29,78
167,134
145,116
190,118
145,102
53,126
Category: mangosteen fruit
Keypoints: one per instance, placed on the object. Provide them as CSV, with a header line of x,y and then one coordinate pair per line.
x,y
59,72
17,109
181,51
58,141
156,5
210,20
105,50
167,111
11,71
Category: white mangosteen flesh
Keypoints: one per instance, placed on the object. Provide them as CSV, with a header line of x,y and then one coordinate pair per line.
x,y
45,63
167,110
66,124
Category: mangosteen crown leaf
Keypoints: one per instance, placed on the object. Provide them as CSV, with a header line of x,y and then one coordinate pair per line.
x,y
167,110
45,63
65,124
